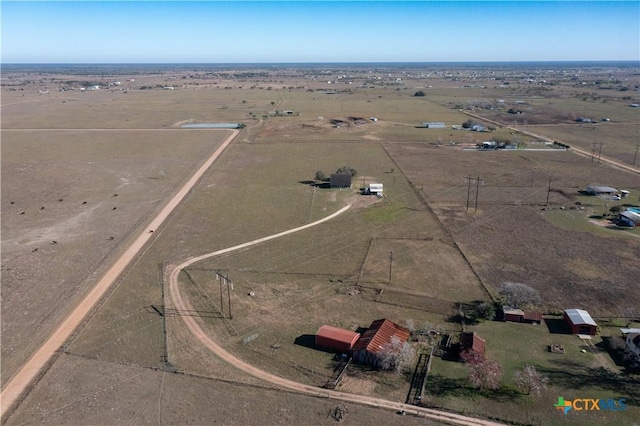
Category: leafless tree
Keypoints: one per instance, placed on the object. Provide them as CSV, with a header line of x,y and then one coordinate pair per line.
x,y
530,381
518,295
397,355
485,375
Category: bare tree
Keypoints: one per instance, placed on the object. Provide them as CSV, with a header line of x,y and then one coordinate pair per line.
x,y
397,355
530,381
486,374
518,295
472,357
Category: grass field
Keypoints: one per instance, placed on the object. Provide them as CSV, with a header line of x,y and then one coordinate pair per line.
x,y
337,273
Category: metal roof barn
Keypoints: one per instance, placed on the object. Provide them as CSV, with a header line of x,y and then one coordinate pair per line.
x,y
580,322
377,337
336,339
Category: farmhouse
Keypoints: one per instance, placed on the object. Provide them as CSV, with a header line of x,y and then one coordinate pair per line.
x,y
600,190
369,348
633,343
433,125
340,180
628,218
472,342
477,128
580,322
336,339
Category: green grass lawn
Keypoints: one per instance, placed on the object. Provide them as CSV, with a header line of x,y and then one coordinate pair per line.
x,y
572,375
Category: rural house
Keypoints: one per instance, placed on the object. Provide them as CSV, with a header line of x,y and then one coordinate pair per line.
x,y
340,180
580,322
336,339
472,342
600,190
628,218
633,343
379,335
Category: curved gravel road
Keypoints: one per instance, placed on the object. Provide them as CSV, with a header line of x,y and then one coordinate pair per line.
x,y
194,327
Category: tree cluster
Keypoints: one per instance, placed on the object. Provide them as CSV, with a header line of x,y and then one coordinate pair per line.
x,y
519,295
344,170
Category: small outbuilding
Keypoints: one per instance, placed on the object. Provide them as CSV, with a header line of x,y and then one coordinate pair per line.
x,y
340,180
433,125
472,342
518,315
580,322
379,335
336,339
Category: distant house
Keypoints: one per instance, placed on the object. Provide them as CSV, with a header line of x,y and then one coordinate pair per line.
x,y
633,343
340,180
433,125
336,339
477,128
369,348
472,342
600,190
518,315
628,218
580,322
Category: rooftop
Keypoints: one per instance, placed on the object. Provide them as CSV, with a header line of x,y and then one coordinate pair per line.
x,y
579,316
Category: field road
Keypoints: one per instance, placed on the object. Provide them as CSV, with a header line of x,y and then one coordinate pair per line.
x,y
545,138
30,371
194,327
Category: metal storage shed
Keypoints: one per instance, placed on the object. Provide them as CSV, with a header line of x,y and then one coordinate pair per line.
x,y
336,339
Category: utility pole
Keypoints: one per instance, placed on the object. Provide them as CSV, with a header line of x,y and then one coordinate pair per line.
x,y
636,154
593,150
478,182
548,192
228,286
390,265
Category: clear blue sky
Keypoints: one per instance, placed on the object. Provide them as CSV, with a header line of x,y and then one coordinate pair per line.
x,y
319,31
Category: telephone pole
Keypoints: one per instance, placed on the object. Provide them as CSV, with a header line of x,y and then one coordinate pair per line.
x,y
390,265
636,154
593,150
478,181
225,285
548,192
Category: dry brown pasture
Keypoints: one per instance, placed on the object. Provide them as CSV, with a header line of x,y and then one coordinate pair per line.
x,y
80,390
510,238
71,200
330,274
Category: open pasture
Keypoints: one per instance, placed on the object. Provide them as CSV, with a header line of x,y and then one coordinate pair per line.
x,y
70,201
336,273
509,237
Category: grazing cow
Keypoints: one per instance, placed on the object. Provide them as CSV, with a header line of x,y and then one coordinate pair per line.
x,y
54,242
84,202
42,208
34,250
113,208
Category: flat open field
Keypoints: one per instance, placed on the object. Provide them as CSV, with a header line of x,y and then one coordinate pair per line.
x,y
126,141
70,201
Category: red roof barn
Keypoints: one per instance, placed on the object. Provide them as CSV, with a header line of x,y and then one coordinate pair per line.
x,y
336,339
379,334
